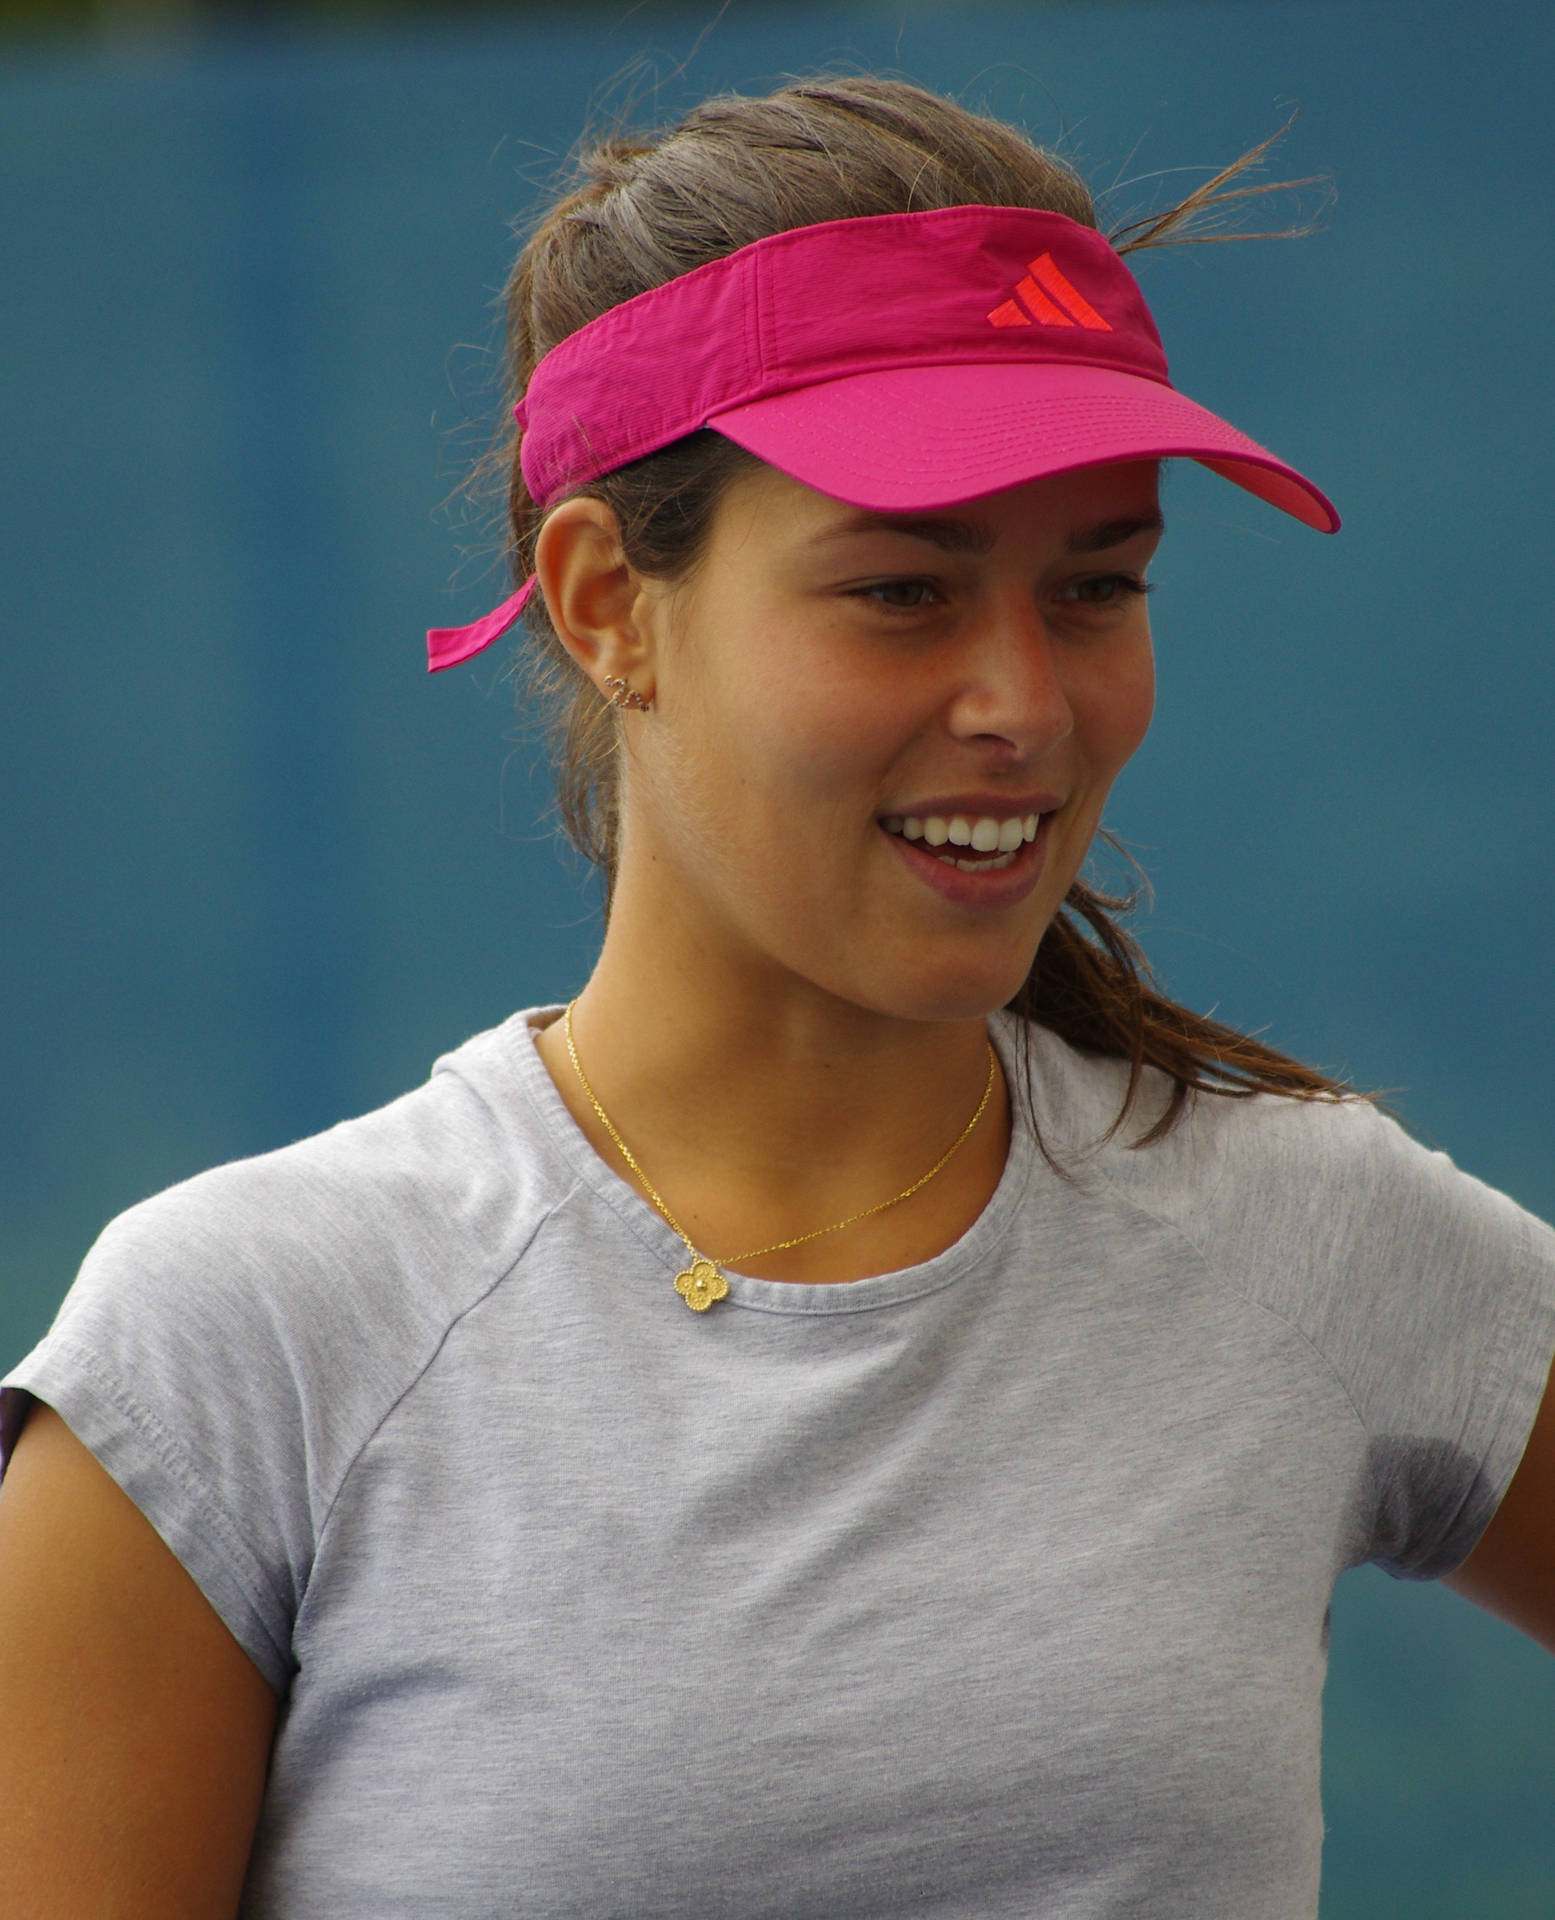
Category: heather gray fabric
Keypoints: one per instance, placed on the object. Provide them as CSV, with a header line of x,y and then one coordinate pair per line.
x,y
997,1586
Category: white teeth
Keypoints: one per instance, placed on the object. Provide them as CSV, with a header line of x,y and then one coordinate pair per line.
x,y
977,866
984,834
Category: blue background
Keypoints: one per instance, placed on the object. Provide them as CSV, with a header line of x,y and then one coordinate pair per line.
x,y
258,870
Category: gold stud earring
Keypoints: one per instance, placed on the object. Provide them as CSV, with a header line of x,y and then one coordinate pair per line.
x,y
625,696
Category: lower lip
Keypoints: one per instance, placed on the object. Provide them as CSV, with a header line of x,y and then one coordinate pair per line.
x,y
990,889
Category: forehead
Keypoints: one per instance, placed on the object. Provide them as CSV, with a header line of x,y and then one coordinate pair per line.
x,y
1084,510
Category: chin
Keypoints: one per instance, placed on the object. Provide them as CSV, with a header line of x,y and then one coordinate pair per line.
x,y
956,994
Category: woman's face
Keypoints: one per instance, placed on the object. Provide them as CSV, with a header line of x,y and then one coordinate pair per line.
x,y
843,698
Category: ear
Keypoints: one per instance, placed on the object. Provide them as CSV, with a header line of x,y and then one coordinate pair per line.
x,y
594,596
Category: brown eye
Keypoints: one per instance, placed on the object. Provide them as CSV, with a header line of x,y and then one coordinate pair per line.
x,y
1105,590
900,596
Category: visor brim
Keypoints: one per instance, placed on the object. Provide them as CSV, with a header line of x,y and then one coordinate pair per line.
x,y
913,439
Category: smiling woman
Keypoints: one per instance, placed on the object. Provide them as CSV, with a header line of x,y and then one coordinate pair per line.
x,y
969,1551
818,675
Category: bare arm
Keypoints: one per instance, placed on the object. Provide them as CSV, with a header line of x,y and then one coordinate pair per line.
x,y
134,1731
1512,1571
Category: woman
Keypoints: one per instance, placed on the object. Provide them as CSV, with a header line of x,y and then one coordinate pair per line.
x,y
383,1535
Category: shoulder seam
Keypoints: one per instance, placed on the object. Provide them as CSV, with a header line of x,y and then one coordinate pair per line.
x,y
542,1220
236,1550
1229,1281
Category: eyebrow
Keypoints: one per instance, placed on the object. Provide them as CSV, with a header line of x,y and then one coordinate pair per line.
x,y
1113,533
968,536
953,536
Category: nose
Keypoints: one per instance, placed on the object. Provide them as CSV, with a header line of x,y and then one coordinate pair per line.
x,y
1012,691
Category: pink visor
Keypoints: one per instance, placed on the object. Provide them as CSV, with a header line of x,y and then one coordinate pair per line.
x,y
900,363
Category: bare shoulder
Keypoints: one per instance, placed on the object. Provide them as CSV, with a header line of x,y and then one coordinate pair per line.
x,y
137,1730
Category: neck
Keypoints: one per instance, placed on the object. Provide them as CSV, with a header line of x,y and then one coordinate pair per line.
x,y
758,1116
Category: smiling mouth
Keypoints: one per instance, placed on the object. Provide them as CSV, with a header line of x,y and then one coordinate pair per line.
x,y
981,844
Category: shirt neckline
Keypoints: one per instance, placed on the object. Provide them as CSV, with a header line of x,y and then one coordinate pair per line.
x,y
775,1296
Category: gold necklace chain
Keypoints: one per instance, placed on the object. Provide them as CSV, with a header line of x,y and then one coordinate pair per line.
x,y
702,1283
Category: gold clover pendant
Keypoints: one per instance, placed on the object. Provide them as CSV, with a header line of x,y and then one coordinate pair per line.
x,y
700,1285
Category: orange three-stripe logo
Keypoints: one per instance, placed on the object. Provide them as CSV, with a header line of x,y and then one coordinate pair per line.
x,y
1042,291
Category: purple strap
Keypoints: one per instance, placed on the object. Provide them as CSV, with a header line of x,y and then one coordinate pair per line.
x,y
447,646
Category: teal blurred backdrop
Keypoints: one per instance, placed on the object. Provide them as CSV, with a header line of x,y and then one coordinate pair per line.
x,y
258,870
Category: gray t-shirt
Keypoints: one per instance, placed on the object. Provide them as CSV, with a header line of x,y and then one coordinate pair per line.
x,y
996,1586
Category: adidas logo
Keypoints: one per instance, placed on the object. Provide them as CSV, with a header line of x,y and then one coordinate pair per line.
x,y
1047,297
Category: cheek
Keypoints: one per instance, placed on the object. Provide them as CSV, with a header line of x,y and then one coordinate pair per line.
x,y
1114,710
740,767
808,735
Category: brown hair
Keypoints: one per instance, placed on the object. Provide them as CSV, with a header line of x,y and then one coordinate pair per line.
x,y
734,171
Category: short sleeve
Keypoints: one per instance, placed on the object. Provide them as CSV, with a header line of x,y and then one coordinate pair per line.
x,y
224,1352
162,1368
1429,1296
231,1346
1448,1367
